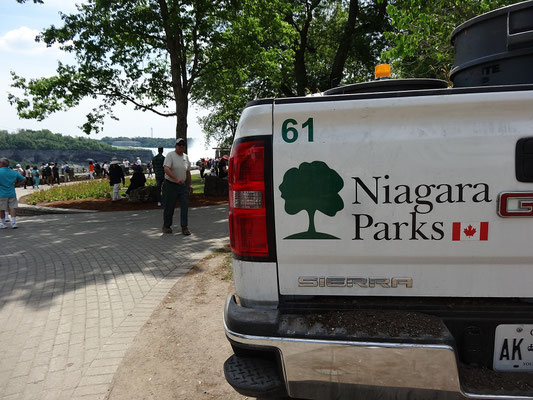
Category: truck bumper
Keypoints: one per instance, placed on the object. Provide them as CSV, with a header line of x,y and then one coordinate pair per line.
x,y
315,362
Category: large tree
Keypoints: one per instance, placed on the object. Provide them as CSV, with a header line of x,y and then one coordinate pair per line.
x,y
289,48
421,46
148,53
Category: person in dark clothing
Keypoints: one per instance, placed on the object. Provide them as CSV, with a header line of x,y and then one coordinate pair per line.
x,y
223,167
116,175
97,169
47,174
137,179
159,171
202,167
55,173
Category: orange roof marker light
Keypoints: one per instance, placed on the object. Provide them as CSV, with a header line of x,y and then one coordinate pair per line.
x,y
382,71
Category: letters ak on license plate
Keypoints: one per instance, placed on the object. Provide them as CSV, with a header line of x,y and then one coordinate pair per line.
x,y
513,348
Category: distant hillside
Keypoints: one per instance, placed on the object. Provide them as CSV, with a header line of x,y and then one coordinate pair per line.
x,y
143,141
35,147
46,140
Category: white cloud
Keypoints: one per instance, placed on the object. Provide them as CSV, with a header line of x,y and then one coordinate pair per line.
x,y
22,41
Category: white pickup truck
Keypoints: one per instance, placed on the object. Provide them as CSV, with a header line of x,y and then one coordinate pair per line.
x,y
382,238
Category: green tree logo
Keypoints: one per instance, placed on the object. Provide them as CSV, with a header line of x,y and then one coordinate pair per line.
x,y
312,187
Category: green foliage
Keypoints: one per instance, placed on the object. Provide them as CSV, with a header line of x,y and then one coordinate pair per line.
x,y
46,140
421,46
94,189
312,187
144,52
286,48
197,184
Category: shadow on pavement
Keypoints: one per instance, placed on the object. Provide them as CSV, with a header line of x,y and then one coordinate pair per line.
x,y
109,258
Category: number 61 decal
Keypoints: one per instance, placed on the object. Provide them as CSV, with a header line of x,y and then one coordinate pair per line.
x,y
290,133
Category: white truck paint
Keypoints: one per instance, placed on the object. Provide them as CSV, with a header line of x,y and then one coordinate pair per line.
x,y
398,221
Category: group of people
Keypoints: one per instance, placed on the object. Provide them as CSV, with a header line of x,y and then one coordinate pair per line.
x,y
216,167
173,182
96,170
172,173
47,174
117,176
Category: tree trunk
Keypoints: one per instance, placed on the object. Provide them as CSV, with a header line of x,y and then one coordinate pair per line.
x,y
178,69
182,109
341,55
300,70
311,228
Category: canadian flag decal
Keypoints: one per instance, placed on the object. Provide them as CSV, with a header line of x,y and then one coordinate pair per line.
x,y
470,231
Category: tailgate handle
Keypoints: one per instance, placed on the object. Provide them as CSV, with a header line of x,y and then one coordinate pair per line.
x,y
524,160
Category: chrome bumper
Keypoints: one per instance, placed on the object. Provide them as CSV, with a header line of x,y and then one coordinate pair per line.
x,y
328,369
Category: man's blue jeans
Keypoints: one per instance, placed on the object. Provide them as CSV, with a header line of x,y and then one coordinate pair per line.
x,y
173,192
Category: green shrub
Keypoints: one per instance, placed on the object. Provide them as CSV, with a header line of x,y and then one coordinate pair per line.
x,y
95,189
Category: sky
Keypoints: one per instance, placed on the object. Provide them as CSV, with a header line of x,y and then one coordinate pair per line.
x,y
19,52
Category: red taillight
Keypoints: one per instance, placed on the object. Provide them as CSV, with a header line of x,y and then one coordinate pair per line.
x,y
247,210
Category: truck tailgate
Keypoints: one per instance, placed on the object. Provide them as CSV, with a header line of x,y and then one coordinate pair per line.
x,y
399,196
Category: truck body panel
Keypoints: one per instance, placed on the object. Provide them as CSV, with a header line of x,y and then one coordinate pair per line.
x,y
395,260
417,216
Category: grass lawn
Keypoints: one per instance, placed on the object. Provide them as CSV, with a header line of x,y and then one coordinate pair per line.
x,y
95,189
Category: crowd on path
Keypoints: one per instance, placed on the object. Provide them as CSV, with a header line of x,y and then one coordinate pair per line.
x,y
172,174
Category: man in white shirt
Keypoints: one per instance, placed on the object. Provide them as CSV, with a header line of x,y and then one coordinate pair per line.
x,y
177,187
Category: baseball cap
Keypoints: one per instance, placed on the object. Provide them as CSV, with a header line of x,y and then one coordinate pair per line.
x,y
180,141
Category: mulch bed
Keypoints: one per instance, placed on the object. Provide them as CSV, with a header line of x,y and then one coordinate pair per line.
x,y
196,200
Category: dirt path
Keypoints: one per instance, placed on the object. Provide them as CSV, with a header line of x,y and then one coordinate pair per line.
x,y
180,351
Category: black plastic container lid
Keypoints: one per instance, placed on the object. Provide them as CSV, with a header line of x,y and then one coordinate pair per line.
x,y
490,15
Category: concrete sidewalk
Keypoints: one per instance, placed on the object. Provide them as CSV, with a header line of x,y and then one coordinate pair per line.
x,y
75,289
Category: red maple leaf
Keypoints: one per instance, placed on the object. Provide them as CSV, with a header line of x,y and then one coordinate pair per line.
x,y
470,231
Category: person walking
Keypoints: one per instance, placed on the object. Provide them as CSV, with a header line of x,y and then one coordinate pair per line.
x,y
8,197
159,171
116,176
46,171
202,167
29,177
97,169
91,170
55,174
66,171
36,177
177,187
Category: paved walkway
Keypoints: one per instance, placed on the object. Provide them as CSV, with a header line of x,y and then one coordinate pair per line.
x,y
75,290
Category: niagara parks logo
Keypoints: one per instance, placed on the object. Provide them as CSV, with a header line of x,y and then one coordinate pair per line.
x,y
312,187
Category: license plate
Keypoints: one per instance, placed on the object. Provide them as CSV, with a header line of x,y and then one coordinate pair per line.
x,y
513,348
